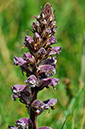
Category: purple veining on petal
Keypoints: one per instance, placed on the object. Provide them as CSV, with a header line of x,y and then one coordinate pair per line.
x,y
50,102
28,57
31,81
46,71
36,35
40,52
23,92
18,88
52,61
38,106
53,82
48,82
50,41
23,122
53,24
29,43
28,39
19,61
55,51
48,30
46,33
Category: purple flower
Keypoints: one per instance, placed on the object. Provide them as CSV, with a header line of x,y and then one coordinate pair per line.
x,y
31,81
50,103
46,33
23,92
36,36
53,24
53,29
46,71
23,123
18,88
29,39
48,82
27,63
50,41
19,61
39,106
52,61
55,51
12,127
28,57
40,53
29,43
36,27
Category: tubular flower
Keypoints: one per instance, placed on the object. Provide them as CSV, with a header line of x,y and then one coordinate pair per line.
x,y
39,65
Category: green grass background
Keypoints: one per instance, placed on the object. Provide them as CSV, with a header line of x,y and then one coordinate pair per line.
x,y
15,19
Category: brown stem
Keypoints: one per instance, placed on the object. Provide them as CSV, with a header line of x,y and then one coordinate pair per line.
x,y
32,113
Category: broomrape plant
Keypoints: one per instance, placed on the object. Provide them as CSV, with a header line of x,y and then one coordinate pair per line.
x,y
39,65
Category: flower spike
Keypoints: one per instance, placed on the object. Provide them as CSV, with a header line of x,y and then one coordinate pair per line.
x,y
39,64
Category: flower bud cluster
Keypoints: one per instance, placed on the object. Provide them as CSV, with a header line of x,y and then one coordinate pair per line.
x,y
39,65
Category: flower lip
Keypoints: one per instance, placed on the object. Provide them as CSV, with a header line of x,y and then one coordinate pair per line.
x,y
48,82
46,71
28,39
52,61
12,127
41,52
22,92
18,88
31,81
19,61
55,51
23,122
28,57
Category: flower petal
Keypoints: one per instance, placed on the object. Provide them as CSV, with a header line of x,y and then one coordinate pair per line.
x,y
28,57
29,43
40,53
37,37
12,127
38,106
23,123
46,71
23,92
31,81
19,61
52,61
18,88
55,51
48,82
50,41
50,103
29,39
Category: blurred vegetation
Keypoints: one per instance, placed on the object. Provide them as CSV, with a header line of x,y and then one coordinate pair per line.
x,y
15,19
